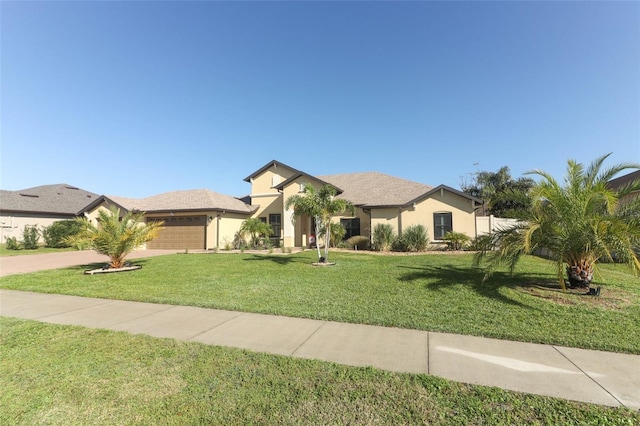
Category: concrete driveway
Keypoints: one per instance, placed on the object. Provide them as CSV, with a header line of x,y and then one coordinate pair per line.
x,y
10,265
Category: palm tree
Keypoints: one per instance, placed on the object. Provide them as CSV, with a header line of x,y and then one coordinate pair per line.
x,y
320,205
114,236
256,230
576,224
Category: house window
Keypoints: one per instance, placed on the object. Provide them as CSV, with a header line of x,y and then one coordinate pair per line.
x,y
263,219
275,220
442,224
351,226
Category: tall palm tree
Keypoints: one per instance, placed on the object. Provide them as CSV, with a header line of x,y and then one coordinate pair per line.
x,y
321,205
114,236
576,224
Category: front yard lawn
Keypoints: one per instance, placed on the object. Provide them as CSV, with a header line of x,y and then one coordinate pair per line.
x,y
436,292
65,375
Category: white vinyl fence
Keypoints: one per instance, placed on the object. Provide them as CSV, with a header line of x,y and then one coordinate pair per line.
x,y
490,224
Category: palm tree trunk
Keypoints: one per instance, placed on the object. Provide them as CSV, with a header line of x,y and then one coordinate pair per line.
x,y
326,243
317,228
580,274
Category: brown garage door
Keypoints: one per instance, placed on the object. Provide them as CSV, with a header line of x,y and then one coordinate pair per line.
x,y
180,232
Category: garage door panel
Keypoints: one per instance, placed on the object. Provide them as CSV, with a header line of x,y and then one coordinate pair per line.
x,y
180,233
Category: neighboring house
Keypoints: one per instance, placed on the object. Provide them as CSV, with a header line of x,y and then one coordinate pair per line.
x,y
622,181
379,199
40,206
197,219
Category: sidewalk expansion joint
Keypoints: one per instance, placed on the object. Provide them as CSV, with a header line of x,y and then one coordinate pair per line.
x,y
169,307
322,324
217,325
74,310
589,376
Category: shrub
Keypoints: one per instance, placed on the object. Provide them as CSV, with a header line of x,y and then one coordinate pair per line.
x,y
359,241
55,235
13,244
412,239
481,243
336,233
456,240
382,237
239,243
30,236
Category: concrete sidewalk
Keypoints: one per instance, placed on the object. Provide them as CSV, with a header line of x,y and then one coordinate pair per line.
x,y
575,374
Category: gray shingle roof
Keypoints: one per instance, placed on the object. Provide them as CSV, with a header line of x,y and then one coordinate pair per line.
x,y
376,189
55,199
196,199
621,181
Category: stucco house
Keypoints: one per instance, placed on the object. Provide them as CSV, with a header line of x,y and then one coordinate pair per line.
x,y
40,206
379,198
203,219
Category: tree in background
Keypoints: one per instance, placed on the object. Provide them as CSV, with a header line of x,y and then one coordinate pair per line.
x,y
504,196
321,205
577,224
114,236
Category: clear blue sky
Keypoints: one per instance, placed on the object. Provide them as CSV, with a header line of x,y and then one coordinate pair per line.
x,y
139,98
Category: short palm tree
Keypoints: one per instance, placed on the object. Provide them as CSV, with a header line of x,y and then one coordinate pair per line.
x,y
321,205
114,236
576,224
256,229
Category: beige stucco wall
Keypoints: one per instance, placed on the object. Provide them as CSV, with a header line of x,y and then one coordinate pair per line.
x,y
222,229
264,183
385,216
461,209
12,225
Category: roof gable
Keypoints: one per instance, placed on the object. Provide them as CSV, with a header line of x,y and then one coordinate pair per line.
x,y
282,185
272,163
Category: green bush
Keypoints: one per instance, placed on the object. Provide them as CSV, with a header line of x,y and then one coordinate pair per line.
x,y
481,243
336,233
456,240
358,241
13,244
30,236
412,239
56,234
382,237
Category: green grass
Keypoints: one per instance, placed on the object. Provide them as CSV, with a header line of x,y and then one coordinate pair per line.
x,y
426,292
39,250
65,375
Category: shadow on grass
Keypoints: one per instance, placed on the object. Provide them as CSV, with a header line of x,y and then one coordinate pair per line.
x,y
442,277
280,259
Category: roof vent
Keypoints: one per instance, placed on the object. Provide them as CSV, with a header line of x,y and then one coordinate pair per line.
x,y
30,195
